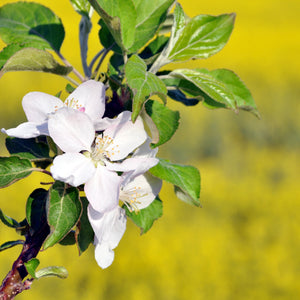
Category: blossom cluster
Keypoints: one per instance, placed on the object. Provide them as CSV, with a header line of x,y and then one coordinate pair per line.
x,y
110,157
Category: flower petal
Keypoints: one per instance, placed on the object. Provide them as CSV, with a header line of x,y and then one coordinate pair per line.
x,y
109,228
102,190
71,130
142,190
38,105
89,96
144,150
127,136
27,130
72,168
133,167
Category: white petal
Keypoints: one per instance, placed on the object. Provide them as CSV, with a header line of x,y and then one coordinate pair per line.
x,y
27,130
102,190
145,151
143,189
127,136
102,124
71,130
72,168
133,166
38,105
90,97
109,228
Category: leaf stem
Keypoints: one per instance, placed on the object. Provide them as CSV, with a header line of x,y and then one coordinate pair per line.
x,y
95,58
100,63
69,65
42,171
71,80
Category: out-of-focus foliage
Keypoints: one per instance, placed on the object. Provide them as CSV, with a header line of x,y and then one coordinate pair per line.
x,y
244,243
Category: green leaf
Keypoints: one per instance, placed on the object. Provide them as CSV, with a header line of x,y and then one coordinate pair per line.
x,y
32,149
64,210
146,217
59,272
31,59
31,23
218,88
202,37
166,120
36,209
10,244
9,51
13,169
142,83
186,180
132,23
31,266
86,234
69,239
69,88
8,221
81,6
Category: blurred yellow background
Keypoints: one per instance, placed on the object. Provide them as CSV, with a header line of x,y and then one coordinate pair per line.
x,y
245,241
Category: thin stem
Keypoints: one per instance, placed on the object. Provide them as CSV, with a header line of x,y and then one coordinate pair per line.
x,y
69,65
95,58
42,171
71,80
100,63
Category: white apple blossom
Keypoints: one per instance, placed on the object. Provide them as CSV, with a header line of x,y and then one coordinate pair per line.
x,y
89,97
110,226
95,161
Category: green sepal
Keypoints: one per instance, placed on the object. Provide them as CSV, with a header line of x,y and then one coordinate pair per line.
x,y
31,267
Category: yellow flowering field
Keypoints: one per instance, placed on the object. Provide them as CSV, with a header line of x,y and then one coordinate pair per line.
x,y
244,242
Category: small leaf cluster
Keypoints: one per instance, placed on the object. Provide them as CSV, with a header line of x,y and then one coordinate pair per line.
x,y
141,38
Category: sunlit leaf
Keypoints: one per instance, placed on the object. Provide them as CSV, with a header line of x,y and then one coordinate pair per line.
x,y
60,272
31,59
81,6
64,210
31,23
13,169
142,83
186,180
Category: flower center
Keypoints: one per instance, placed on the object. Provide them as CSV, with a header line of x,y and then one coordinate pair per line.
x,y
74,104
104,149
131,198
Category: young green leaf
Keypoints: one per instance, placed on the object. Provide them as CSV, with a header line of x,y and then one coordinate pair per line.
x,y
13,169
8,221
202,37
31,23
10,244
218,88
64,210
60,272
85,234
166,120
31,266
32,149
146,217
81,6
9,51
31,59
186,180
132,23
142,83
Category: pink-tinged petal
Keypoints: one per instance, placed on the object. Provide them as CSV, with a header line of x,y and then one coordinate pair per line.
x,y
27,130
89,97
109,229
141,191
38,105
102,190
72,168
71,130
126,138
133,167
